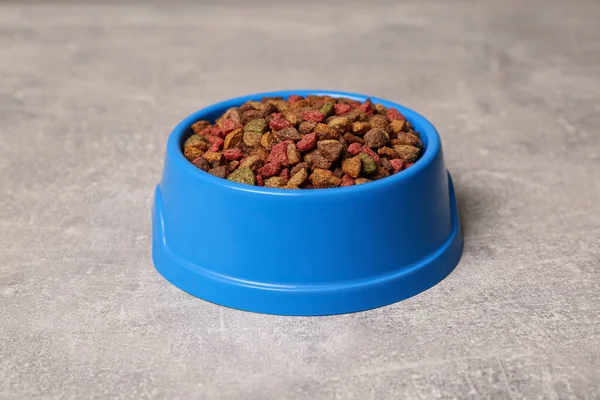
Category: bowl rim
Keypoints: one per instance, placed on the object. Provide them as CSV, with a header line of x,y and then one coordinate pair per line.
x,y
175,152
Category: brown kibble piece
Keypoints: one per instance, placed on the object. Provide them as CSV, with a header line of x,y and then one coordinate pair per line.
x,y
221,171
294,117
261,152
293,154
274,182
215,158
362,117
250,115
290,133
409,139
267,140
380,173
350,138
306,157
199,126
408,153
307,127
325,132
360,128
300,104
380,109
253,162
354,115
318,161
202,163
315,101
352,166
191,152
233,114
233,165
280,104
233,139
381,122
247,106
376,137
397,125
298,178
360,181
387,152
330,149
340,124
322,178
294,170
269,109
385,163
252,138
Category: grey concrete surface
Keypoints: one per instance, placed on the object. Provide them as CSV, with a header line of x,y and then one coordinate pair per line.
x,y
89,93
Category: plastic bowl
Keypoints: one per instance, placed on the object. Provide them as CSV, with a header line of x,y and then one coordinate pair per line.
x,y
305,252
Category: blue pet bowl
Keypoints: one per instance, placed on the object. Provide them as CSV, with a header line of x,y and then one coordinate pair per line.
x,y
305,252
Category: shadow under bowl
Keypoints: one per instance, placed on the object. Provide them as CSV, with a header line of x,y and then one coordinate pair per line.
x,y
311,251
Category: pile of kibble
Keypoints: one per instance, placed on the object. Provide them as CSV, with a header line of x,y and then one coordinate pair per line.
x,y
312,142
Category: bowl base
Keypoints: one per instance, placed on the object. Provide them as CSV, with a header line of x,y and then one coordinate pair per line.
x,y
306,300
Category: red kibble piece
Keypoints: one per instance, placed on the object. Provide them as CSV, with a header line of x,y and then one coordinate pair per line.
x,y
278,123
285,174
233,154
206,131
212,130
370,152
294,98
278,153
216,143
353,103
407,165
269,170
367,108
308,142
394,115
355,149
347,180
313,115
342,108
259,180
212,139
397,164
228,126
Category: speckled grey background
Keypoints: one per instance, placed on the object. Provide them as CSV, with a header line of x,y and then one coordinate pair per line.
x,y
88,95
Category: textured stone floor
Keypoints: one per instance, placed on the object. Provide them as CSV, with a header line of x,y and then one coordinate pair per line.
x,y
89,94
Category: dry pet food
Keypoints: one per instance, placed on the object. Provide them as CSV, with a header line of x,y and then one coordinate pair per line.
x,y
304,143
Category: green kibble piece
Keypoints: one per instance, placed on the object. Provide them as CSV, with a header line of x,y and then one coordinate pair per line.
x,y
243,175
368,164
327,109
256,125
196,141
